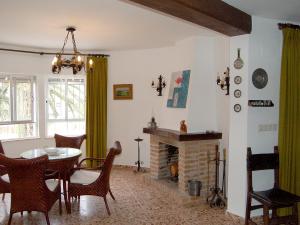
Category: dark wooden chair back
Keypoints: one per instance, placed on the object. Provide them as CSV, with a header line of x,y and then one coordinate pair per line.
x,y
69,142
27,183
256,162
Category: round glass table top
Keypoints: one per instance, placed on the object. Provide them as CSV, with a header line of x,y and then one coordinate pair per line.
x,y
53,153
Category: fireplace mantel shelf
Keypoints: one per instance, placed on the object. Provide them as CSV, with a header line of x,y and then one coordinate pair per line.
x,y
176,135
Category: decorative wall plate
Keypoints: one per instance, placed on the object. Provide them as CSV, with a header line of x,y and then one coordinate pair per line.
x,y
237,107
259,78
237,93
237,79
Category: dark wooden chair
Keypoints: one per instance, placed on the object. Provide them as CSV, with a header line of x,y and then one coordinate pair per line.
x,y
271,199
69,142
86,182
30,191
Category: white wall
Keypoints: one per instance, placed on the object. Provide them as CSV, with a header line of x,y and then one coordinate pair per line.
x,y
266,45
207,106
263,47
127,118
238,129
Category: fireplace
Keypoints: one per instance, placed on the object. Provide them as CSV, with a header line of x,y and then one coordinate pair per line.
x,y
169,162
192,151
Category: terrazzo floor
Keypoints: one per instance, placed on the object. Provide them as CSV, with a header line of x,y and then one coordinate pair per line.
x,y
136,204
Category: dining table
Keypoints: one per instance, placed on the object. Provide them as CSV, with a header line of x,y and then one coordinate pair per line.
x,y
61,159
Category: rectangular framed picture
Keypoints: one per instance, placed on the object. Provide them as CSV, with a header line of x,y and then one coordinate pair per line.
x,y
122,91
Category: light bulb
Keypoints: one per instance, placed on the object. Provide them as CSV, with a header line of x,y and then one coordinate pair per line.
x,y
79,58
54,61
91,62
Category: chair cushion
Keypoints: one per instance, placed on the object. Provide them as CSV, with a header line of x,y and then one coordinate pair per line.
x,y
84,177
5,178
276,197
51,184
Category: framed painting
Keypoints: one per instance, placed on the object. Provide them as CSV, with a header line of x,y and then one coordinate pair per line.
x,y
179,88
122,91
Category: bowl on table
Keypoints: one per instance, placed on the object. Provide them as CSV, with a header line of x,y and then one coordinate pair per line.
x,y
52,151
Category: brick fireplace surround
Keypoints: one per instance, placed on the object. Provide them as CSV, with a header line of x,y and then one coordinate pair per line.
x,y
194,150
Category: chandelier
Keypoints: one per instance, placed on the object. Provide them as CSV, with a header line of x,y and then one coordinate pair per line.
x,y
75,62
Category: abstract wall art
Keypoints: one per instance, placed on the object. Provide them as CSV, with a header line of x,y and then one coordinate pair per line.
x,y
179,87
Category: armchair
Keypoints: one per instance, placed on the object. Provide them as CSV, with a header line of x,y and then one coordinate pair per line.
x,y
30,191
84,182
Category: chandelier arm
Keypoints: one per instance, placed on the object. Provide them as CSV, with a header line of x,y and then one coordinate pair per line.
x,y
65,42
74,43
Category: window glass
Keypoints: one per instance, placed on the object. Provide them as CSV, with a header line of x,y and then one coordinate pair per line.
x,y
17,110
24,100
66,106
56,99
4,100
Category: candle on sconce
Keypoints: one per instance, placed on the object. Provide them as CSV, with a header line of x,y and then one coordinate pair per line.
x,y
223,81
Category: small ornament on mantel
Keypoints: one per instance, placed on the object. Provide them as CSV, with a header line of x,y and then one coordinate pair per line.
x,y
152,124
183,127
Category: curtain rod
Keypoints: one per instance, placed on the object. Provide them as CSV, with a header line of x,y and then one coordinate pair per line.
x,y
50,53
288,25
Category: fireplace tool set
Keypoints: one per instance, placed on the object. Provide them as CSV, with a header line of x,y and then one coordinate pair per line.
x,y
218,195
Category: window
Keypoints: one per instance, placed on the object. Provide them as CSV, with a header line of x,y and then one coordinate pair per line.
x,y
17,107
65,106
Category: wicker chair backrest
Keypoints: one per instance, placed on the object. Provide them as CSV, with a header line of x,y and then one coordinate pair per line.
x,y
103,179
27,183
1,148
69,142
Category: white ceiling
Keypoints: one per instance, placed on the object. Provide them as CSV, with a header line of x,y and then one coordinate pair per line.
x,y
112,24
285,10
101,24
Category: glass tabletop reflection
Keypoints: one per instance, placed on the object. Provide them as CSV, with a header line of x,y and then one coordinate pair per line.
x,y
55,153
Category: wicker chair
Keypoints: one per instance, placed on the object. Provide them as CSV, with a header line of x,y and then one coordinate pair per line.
x,y
4,185
84,182
1,148
29,190
69,142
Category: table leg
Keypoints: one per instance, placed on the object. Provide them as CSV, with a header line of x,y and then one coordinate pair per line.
x,y
67,203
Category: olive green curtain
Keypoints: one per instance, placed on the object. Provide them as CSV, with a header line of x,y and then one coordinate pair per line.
x,y
289,112
96,109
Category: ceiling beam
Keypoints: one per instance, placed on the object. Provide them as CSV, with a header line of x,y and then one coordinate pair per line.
x,y
213,14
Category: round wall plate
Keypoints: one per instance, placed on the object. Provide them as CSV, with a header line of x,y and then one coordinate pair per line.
x,y
237,79
237,107
259,78
237,93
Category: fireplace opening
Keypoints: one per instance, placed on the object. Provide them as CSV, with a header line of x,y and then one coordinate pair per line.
x,y
172,162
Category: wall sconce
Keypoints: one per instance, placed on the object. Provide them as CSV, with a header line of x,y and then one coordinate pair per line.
x,y
160,85
223,82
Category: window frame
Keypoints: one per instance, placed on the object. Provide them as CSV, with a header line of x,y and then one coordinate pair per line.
x,y
13,78
66,78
